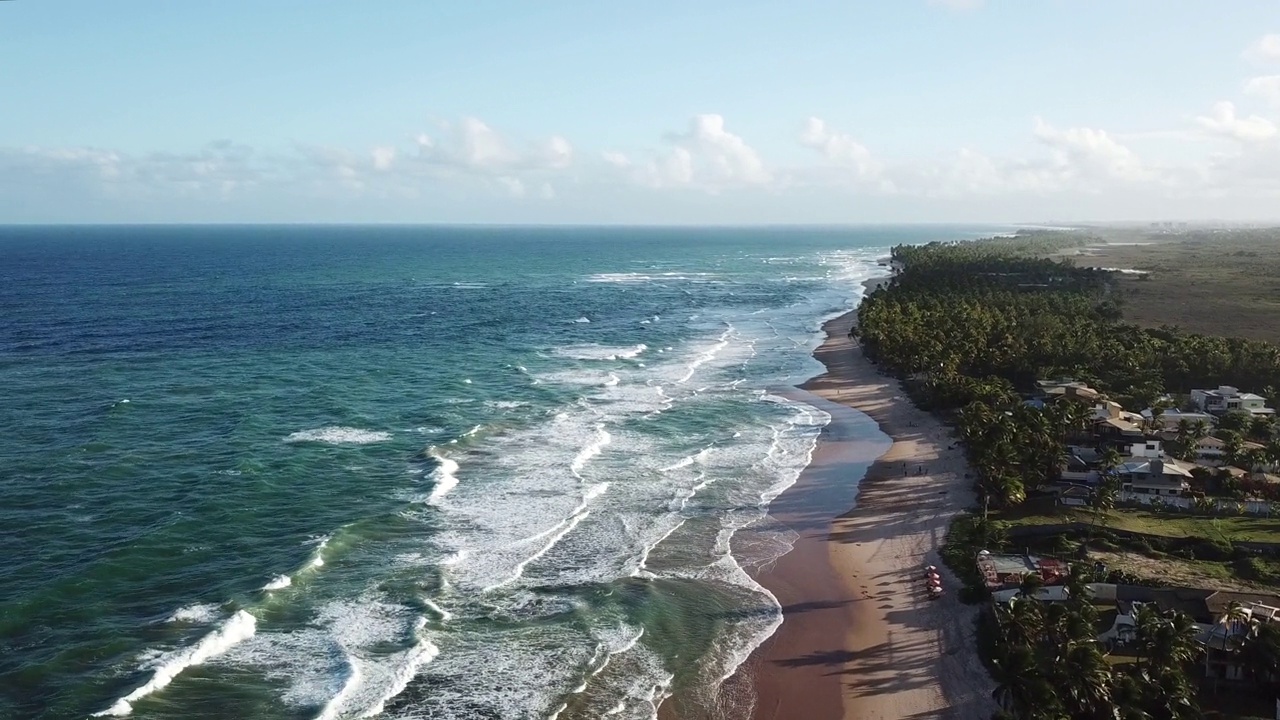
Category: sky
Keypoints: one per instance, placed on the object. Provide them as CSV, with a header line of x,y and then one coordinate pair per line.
x,y
655,112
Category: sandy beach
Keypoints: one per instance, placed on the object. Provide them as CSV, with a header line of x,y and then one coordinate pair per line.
x,y
859,638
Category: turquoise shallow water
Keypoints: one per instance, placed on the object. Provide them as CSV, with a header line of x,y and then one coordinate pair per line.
x,y
417,472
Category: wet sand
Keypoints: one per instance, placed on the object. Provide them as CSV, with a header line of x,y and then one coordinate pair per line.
x,y
860,640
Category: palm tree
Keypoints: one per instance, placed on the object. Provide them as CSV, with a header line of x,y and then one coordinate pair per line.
x,y
1234,618
1104,499
1260,653
1128,696
1109,461
1146,619
1231,445
1021,689
1031,583
1022,622
1087,687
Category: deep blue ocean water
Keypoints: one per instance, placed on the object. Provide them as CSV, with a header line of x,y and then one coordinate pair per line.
x,y
337,472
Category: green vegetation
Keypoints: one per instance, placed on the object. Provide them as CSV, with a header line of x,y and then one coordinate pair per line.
x,y
1049,665
1217,282
968,328
1231,528
968,325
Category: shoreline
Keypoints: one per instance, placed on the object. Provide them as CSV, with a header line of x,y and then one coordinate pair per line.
x,y
858,639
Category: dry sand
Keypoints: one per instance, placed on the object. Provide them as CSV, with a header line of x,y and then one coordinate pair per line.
x,y
860,640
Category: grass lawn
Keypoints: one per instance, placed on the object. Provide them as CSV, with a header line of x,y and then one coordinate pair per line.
x,y
1226,529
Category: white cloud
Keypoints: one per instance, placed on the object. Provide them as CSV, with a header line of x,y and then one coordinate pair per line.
x,y
677,168
839,148
558,152
1266,87
1224,121
469,163
513,185
705,157
383,157
472,145
479,146
958,4
1264,50
726,157
1089,153
616,159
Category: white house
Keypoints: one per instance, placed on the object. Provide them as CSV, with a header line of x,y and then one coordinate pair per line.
x,y
1149,471
1171,417
1212,452
1229,399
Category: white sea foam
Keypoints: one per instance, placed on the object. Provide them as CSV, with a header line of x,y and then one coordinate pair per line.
x,y
536,522
333,708
445,615
558,533
641,568
197,613
600,352
635,278
707,355
597,445
423,652
278,582
505,404
236,629
334,435
317,555
445,476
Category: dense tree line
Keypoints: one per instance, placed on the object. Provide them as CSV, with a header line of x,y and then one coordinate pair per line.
x,y
969,326
1049,665
972,318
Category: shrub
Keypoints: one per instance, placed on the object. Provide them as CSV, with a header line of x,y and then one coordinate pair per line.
x,y
1213,550
1250,569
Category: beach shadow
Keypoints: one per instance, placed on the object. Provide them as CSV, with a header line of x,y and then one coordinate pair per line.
x,y
824,657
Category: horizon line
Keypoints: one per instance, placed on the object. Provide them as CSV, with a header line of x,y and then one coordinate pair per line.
x,y
1063,225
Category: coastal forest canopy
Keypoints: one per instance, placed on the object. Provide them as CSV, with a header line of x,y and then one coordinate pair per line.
x,y
980,320
969,328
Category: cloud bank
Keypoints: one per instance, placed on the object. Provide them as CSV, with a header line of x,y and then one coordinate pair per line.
x,y
1224,161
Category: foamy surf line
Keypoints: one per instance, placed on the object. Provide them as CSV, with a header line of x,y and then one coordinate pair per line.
x,y
238,628
337,435
444,475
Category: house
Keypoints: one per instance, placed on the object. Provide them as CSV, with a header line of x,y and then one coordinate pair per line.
x,y
1229,399
1118,430
1007,571
1081,466
1048,593
1220,639
1149,471
1075,496
1211,452
1111,410
1119,607
1066,388
1171,419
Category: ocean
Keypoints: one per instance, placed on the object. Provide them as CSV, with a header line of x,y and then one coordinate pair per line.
x,y
406,472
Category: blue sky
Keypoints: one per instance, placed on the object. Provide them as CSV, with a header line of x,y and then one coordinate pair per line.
x,y
654,112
